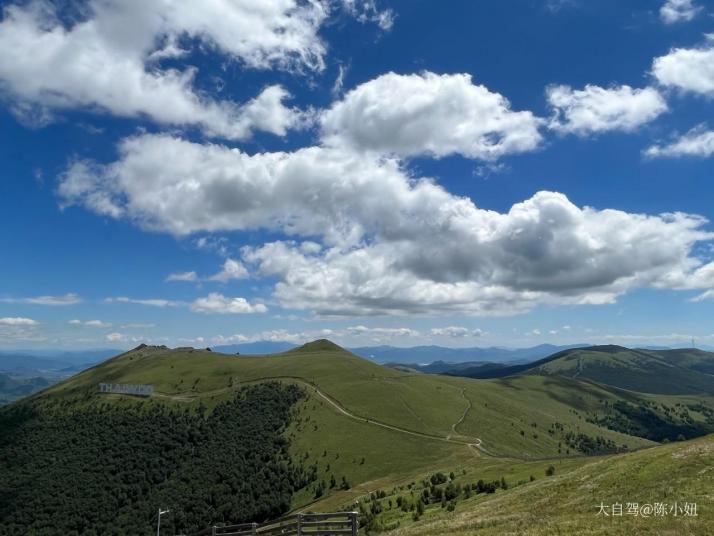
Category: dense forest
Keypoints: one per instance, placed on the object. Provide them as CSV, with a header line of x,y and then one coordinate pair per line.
x,y
105,470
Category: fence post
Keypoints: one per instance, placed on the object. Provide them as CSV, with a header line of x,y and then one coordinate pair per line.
x,y
254,528
355,523
213,530
299,525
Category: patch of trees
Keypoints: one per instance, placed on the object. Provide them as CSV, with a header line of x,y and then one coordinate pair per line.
x,y
105,470
436,491
591,445
643,420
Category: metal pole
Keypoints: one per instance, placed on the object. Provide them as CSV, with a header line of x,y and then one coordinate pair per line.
x,y
158,521
254,528
355,523
299,525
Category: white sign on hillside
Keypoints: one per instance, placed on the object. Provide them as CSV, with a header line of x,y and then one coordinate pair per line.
x,y
127,388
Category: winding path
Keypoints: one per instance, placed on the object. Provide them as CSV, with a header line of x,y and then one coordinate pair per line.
x,y
474,446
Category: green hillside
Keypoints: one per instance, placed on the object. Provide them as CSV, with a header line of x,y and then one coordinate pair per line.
x,y
636,370
357,426
661,481
688,358
682,371
527,416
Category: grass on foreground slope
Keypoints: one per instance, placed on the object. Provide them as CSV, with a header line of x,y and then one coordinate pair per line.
x,y
567,503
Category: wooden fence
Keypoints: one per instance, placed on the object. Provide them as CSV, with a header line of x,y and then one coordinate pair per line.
x,y
333,524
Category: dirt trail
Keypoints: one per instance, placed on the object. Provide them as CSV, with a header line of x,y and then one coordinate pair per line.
x,y
475,446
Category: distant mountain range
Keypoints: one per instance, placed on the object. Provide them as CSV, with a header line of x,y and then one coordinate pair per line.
x,y
423,355
44,360
416,355
12,389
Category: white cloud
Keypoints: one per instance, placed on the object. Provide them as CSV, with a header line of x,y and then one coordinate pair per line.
x,y
218,303
687,69
183,276
90,323
368,11
673,11
137,326
429,114
108,61
115,337
97,324
708,295
381,333
595,109
456,332
275,335
153,302
66,299
232,269
698,142
390,242
18,321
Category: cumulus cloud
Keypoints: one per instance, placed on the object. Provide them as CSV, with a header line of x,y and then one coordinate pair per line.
x,y
453,332
687,69
673,11
20,329
232,269
698,142
595,109
218,303
107,61
390,242
378,333
66,299
121,337
18,321
97,324
183,276
429,114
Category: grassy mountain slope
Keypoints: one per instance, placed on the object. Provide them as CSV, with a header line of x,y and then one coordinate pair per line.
x,y
378,427
628,369
500,413
688,358
568,502
649,371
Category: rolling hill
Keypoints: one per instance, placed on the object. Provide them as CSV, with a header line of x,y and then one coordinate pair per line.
x,y
12,388
669,372
352,426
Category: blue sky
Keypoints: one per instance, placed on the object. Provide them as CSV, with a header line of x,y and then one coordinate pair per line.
x,y
376,172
